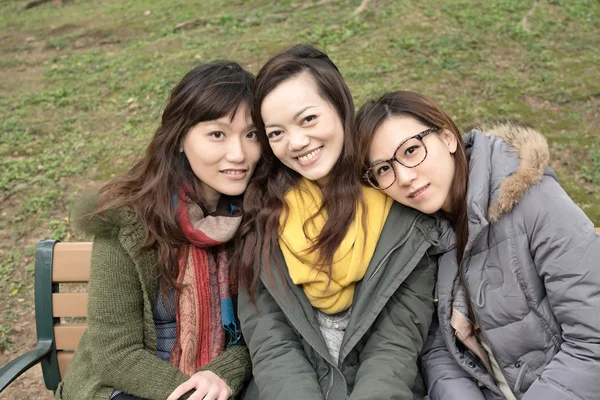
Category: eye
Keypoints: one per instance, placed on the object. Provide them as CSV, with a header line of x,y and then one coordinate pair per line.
x,y
252,135
217,134
309,118
411,150
382,169
274,134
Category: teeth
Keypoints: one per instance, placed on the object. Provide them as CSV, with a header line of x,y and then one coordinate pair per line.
x,y
419,192
233,172
310,155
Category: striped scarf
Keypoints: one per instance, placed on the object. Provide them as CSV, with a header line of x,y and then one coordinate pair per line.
x,y
206,323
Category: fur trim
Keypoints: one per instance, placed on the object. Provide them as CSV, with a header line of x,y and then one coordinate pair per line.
x,y
532,148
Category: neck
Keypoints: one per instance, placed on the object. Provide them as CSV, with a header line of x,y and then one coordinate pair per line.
x,y
211,197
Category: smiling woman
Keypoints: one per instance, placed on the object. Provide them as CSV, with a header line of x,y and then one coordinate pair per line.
x,y
337,292
304,130
222,154
161,302
518,277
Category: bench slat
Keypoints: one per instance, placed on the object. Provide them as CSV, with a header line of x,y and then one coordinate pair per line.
x,y
72,262
69,304
67,336
64,358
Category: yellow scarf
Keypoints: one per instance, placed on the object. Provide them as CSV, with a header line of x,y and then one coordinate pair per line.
x,y
350,260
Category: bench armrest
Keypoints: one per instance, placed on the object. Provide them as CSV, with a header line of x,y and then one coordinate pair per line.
x,y
16,367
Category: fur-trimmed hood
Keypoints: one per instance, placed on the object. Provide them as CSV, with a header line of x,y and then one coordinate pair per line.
x,y
531,148
505,160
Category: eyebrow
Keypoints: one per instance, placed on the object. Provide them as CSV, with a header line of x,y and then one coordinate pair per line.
x,y
226,124
295,117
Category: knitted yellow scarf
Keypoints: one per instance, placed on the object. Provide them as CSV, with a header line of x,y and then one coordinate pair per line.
x,y
350,260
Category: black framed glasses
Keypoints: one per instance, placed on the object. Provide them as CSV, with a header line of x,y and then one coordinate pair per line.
x,y
410,153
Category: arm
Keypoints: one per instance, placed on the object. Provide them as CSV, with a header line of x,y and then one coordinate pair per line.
x,y
116,327
445,379
566,254
280,367
388,362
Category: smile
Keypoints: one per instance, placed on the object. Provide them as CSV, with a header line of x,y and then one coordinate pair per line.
x,y
234,173
417,192
309,156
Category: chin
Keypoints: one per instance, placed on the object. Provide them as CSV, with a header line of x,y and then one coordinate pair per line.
x,y
317,175
234,191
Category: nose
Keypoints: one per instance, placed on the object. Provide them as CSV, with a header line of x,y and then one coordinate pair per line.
x,y
235,152
404,176
298,140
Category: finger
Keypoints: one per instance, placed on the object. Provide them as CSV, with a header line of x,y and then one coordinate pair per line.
x,y
199,394
183,389
213,393
225,393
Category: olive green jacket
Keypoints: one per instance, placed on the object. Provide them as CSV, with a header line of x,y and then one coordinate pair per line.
x,y
391,314
118,349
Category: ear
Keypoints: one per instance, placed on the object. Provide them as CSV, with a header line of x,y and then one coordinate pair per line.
x,y
450,140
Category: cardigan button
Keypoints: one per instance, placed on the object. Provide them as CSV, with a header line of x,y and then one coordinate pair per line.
x,y
518,364
471,364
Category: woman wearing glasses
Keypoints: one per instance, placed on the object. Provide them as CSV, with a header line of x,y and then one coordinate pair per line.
x,y
337,293
518,282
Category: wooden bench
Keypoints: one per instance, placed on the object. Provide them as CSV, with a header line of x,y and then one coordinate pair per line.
x,y
56,263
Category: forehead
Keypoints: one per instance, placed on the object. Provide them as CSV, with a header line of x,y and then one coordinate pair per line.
x,y
240,120
391,133
290,96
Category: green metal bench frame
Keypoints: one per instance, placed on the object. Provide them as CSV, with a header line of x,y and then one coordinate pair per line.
x,y
45,351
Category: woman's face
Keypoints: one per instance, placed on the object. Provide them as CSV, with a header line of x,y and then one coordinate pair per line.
x,y
223,154
305,132
425,187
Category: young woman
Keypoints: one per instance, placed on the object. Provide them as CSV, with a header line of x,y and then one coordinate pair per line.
x,y
337,301
160,312
518,286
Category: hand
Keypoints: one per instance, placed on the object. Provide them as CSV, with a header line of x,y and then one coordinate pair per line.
x,y
208,386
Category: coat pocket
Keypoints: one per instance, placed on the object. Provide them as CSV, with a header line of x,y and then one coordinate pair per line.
x,y
530,367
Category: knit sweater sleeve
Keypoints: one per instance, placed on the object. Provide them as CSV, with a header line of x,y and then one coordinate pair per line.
x,y
116,327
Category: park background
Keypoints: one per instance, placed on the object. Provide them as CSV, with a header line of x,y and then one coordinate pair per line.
x,y
82,86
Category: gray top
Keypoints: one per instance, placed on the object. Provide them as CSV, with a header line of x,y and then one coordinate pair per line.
x,y
333,327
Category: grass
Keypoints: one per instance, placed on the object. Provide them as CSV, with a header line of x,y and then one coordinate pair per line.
x,y
82,87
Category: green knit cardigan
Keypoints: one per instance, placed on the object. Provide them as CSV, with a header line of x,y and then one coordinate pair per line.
x,y
118,350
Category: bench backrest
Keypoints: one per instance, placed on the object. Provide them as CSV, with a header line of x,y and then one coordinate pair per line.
x,y
62,272
59,264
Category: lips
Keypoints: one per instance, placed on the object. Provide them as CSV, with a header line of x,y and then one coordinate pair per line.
x,y
417,192
310,155
235,174
233,171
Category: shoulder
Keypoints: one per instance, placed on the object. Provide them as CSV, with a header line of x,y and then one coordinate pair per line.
x,y
109,223
546,206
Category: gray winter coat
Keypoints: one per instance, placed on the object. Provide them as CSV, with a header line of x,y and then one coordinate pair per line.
x,y
391,315
531,269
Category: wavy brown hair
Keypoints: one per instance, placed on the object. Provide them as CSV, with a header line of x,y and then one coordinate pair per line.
x,y
264,200
208,92
403,103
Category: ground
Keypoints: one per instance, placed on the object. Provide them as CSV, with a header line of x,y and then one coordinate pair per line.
x,y
82,87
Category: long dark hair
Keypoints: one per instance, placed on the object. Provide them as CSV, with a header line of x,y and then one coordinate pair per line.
x,y
402,103
264,199
207,92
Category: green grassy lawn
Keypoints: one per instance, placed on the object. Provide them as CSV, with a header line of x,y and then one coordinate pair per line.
x,y
82,86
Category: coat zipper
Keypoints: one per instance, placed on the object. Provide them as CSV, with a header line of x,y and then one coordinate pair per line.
x,y
462,273
389,253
